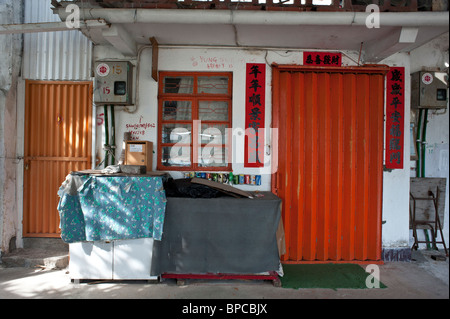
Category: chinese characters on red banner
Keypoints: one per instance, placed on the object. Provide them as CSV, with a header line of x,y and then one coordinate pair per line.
x,y
322,58
255,110
395,111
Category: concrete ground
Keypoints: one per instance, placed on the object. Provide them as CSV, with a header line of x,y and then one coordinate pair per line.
x,y
422,278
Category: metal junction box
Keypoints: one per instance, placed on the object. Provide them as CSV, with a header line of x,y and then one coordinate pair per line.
x,y
429,90
113,82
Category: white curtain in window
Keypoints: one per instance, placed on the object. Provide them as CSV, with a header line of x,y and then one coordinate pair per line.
x,y
184,108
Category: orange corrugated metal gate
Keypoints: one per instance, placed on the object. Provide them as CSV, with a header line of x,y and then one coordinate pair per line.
x,y
330,163
58,140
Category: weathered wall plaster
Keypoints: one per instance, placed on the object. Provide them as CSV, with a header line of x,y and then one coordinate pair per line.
x,y
11,51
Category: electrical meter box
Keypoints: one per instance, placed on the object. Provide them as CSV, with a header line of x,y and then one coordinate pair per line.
x,y
113,82
429,90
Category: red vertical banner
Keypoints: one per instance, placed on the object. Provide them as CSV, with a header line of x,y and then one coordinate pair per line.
x,y
255,111
395,115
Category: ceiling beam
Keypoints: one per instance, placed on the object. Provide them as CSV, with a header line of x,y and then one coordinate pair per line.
x,y
121,40
382,48
50,27
155,58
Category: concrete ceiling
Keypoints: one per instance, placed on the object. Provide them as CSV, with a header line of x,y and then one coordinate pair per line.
x,y
378,43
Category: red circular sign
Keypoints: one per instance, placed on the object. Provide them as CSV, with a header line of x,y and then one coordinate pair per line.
x,y
103,69
427,78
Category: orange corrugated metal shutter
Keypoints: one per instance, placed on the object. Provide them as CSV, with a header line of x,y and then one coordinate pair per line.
x,y
330,127
57,141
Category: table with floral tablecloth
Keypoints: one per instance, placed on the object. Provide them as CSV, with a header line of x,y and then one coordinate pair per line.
x,y
103,208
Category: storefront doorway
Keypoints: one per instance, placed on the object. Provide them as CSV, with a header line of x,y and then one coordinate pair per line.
x,y
330,156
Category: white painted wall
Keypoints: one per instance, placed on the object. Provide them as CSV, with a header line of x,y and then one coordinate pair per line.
x,y
197,60
203,59
395,231
433,56
395,228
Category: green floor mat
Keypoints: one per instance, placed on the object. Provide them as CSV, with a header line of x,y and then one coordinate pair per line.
x,y
332,276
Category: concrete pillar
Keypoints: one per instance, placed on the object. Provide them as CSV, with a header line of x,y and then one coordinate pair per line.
x,y
11,12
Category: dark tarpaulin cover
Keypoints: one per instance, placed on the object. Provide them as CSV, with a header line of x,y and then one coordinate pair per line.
x,y
219,235
185,188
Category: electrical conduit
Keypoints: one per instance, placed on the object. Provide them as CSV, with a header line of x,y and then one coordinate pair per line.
x,y
106,146
113,136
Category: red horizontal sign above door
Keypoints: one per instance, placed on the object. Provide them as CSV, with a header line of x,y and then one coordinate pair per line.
x,y
322,58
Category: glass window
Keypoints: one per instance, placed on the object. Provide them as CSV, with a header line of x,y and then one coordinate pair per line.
x,y
176,156
188,99
179,85
213,134
213,84
213,110
212,156
177,110
176,133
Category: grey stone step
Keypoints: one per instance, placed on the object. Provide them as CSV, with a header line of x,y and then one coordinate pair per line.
x,y
48,253
35,257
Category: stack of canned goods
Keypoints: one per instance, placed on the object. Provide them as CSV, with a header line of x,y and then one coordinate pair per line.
x,y
227,178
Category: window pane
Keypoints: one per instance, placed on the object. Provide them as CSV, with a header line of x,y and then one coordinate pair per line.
x,y
176,156
213,156
177,110
213,134
213,84
179,84
213,110
176,133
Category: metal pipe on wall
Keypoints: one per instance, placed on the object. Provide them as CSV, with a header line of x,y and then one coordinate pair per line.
x,y
424,138
113,136
106,146
418,144
403,19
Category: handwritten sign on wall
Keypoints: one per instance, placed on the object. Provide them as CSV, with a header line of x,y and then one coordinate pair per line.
x,y
139,129
255,110
395,113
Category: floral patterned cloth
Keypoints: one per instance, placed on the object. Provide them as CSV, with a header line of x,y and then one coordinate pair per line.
x,y
112,208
